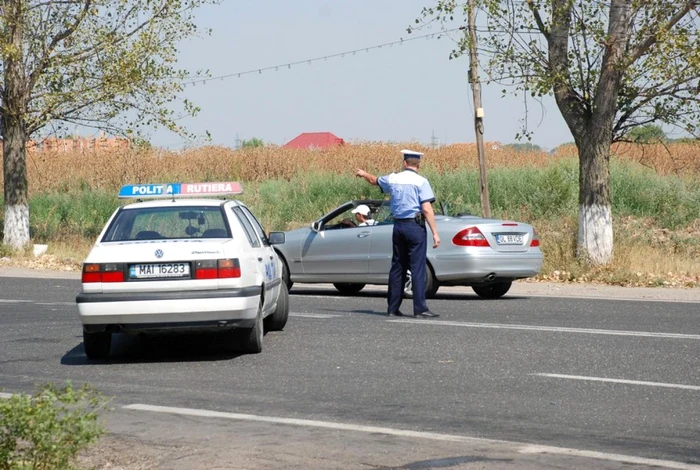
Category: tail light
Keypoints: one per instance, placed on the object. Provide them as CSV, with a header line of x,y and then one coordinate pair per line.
x,y
471,236
535,238
103,272
217,269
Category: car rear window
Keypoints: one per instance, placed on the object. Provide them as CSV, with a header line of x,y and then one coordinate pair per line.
x,y
156,223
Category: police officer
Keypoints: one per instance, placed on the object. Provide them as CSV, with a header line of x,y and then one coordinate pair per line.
x,y
411,207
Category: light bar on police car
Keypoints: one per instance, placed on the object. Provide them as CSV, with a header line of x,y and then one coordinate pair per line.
x,y
180,190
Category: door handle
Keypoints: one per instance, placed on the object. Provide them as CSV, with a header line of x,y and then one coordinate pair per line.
x,y
363,235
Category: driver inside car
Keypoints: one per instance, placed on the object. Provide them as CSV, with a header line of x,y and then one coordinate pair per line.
x,y
362,217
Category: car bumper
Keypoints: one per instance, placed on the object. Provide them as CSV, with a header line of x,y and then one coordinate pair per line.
x,y
164,310
472,267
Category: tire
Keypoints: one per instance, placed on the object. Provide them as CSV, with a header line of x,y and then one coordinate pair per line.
x,y
431,284
348,288
278,319
286,279
251,340
97,345
494,290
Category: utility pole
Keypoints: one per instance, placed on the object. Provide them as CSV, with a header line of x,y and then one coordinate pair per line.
x,y
478,111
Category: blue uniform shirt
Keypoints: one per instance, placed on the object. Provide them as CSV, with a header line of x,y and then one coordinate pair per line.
x,y
408,190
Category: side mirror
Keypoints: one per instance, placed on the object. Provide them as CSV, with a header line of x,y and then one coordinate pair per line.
x,y
277,238
316,226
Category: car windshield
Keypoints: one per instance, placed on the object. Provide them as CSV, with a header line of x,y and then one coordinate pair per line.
x,y
156,223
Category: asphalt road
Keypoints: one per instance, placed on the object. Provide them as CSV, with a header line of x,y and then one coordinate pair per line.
x,y
607,376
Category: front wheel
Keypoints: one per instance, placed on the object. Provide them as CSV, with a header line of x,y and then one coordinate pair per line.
x,y
431,284
286,278
97,344
348,288
494,290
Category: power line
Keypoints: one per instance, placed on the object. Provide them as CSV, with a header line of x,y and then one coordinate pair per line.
x,y
289,65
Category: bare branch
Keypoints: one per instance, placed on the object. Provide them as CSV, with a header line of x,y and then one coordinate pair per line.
x,y
645,45
46,56
538,19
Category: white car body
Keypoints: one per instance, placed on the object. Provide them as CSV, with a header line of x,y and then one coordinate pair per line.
x,y
156,304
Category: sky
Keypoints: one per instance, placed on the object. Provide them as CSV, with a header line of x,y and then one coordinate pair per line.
x,y
410,92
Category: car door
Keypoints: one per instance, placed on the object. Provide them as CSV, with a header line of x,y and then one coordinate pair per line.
x,y
337,252
272,268
381,250
260,252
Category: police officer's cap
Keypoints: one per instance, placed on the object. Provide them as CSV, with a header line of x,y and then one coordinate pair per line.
x,y
411,154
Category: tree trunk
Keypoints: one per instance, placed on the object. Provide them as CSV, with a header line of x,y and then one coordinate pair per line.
x,y
595,232
16,189
14,132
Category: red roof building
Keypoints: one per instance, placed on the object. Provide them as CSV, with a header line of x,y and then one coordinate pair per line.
x,y
314,140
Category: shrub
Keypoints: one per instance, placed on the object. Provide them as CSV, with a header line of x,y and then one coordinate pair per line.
x,y
45,431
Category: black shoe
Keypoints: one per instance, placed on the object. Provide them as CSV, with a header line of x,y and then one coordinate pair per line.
x,y
426,314
396,314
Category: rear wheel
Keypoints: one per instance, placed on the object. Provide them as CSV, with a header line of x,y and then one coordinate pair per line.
x,y
97,344
431,284
493,290
278,319
252,339
348,288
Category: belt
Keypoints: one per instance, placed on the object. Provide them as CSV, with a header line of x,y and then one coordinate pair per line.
x,y
410,219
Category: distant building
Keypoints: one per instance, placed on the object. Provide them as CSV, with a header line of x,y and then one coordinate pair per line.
x,y
77,144
314,140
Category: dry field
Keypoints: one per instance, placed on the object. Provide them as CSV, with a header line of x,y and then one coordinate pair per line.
x,y
665,159
105,169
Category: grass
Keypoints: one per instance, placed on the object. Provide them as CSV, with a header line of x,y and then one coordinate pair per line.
x,y
656,225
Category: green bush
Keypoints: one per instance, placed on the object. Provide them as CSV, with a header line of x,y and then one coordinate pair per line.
x,y
528,194
669,201
59,214
45,431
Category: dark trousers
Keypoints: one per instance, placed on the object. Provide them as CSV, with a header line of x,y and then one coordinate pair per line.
x,y
409,252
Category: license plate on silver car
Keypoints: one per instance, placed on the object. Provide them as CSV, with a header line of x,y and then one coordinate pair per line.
x,y
510,239
159,271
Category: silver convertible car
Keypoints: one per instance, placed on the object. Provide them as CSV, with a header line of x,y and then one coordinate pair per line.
x,y
486,254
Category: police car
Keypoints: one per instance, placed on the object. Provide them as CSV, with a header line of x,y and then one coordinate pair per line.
x,y
180,262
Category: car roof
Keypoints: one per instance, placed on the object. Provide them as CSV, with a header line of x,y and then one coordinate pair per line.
x,y
167,202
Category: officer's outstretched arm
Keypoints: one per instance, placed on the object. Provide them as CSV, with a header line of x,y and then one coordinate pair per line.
x,y
369,177
429,214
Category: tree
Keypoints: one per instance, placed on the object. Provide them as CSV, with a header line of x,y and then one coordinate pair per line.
x,y
252,143
612,65
523,147
646,134
97,63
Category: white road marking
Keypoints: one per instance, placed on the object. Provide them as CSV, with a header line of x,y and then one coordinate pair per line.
x,y
601,297
535,449
5,396
520,447
559,329
19,301
313,315
621,381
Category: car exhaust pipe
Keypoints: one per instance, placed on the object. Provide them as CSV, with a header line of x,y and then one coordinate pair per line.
x,y
491,277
